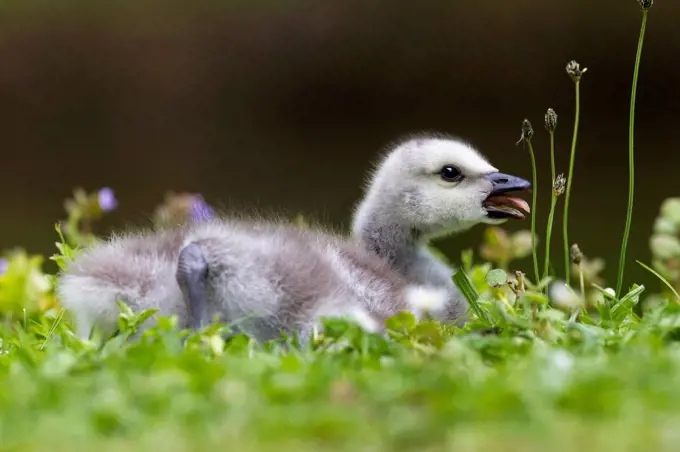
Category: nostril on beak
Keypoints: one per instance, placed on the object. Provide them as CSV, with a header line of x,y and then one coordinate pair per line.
x,y
503,183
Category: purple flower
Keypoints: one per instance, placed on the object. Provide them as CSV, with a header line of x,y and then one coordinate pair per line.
x,y
107,200
4,264
200,210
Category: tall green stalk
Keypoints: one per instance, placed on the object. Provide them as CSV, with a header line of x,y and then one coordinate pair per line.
x,y
631,150
534,191
527,134
575,73
557,188
548,235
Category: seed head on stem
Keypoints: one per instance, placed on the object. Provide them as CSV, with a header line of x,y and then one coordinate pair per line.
x,y
527,134
576,254
559,185
575,72
646,4
550,120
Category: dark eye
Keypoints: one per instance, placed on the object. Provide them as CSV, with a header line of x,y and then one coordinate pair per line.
x,y
450,173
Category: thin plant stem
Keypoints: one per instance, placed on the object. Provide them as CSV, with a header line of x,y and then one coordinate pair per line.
x,y
576,312
553,203
534,191
552,155
570,178
548,235
583,286
631,156
662,279
574,315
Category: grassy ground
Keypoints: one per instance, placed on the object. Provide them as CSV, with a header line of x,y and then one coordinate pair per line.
x,y
554,377
609,378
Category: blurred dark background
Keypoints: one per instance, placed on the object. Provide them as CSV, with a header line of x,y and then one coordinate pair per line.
x,y
282,105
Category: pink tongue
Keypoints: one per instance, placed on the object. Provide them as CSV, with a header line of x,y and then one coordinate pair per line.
x,y
511,200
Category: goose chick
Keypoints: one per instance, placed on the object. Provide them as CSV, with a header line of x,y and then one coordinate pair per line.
x,y
275,277
428,187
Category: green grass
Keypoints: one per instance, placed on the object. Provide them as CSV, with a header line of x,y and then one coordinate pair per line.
x,y
542,383
631,152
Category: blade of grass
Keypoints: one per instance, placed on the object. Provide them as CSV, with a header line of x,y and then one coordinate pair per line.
x,y
631,155
662,279
625,306
53,328
464,283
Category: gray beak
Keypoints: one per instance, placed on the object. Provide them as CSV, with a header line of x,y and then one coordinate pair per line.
x,y
505,183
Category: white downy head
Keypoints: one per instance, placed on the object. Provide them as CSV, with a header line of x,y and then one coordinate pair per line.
x,y
438,186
